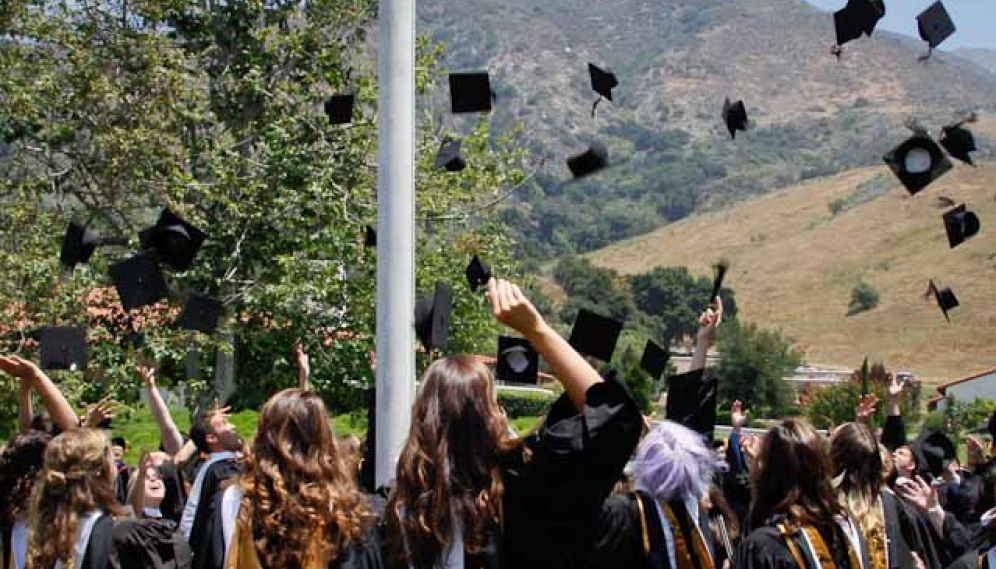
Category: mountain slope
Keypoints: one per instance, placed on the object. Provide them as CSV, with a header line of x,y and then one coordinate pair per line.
x,y
794,265
983,57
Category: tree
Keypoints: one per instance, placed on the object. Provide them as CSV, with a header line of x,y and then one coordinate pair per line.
x,y
834,405
752,367
673,299
863,297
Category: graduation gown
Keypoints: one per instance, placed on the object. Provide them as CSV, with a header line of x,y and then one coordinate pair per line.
x,y
208,550
149,544
555,491
904,537
766,548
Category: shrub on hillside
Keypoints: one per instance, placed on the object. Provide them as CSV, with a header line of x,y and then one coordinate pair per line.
x,y
863,297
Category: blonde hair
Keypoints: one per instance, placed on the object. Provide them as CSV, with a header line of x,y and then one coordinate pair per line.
x,y
73,482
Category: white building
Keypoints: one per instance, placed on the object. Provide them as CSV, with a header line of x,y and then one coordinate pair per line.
x,y
982,385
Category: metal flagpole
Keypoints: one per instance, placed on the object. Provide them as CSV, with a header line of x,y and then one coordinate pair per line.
x,y
395,231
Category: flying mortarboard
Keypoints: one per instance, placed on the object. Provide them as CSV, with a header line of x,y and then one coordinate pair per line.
x,y
139,280
339,108
735,117
450,156
592,160
518,362
595,335
63,348
960,224
935,26
856,18
175,240
717,282
78,245
432,318
200,313
602,82
958,141
470,92
917,162
369,236
478,273
654,360
691,401
945,298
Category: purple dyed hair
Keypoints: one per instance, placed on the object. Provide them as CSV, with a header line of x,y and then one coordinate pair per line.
x,y
672,462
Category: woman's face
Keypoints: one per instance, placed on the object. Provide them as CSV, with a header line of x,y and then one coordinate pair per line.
x,y
155,490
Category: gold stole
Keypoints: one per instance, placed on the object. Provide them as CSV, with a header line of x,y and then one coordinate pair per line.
x,y
681,552
242,553
820,549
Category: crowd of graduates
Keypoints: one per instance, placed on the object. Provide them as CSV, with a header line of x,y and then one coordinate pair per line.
x,y
595,485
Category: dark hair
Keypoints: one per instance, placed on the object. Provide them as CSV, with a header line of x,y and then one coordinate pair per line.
x,y
792,478
201,428
448,467
20,463
858,471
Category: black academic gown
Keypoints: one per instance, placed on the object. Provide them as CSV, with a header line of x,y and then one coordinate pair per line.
x,y
765,548
904,537
207,548
554,493
99,549
176,493
149,544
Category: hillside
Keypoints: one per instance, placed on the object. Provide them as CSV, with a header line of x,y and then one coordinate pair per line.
x,y
982,57
676,60
794,265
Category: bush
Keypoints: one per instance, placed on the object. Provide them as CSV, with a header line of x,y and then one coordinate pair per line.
x,y
836,206
863,297
525,403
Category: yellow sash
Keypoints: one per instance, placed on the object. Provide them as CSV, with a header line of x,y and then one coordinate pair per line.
x,y
681,553
242,553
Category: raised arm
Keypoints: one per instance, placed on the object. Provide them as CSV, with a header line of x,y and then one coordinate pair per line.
x,y
168,432
510,307
52,399
303,366
25,412
894,430
709,321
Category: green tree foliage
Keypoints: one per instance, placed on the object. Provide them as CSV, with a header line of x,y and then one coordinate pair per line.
x,y
863,297
959,418
829,406
111,110
672,299
593,288
753,363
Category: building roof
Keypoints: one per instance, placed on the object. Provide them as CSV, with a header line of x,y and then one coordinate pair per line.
x,y
942,388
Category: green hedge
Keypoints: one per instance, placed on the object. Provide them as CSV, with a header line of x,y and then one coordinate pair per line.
x,y
525,403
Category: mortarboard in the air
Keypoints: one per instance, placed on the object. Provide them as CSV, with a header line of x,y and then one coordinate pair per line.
x,y
960,224
945,298
470,92
735,117
934,25
63,348
450,156
339,108
691,401
78,245
369,236
595,335
478,273
933,451
200,313
432,318
592,160
917,162
139,280
958,141
654,360
518,362
856,18
602,82
174,240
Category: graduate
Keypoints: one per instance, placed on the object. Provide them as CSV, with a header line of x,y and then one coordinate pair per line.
x,y
467,495
297,505
20,463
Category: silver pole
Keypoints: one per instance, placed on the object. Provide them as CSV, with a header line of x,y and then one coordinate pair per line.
x,y
395,231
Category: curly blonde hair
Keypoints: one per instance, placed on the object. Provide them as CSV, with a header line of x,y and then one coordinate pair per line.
x,y
301,502
74,482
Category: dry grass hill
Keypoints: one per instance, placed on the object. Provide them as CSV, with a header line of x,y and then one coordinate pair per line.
x,y
794,265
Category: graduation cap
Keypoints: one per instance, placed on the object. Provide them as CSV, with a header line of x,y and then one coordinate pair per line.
x,y
735,117
63,348
450,156
78,245
595,335
654,360
602,83
945,298
933,451
432,318
935,26
594,159
339,108
517,361
139,280
856,18
478,273
200,313
917,162
369,236
958,141
691,401
960,224
175,240
470,92
717,282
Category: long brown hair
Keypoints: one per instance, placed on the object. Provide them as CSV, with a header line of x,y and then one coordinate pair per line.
x,y
74,482
300,500
20,463
858,474
792,478
449,465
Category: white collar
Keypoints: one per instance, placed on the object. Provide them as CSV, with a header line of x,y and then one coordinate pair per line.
x,y
82,538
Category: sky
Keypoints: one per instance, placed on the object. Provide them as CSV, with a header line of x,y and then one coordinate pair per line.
x,y
975,20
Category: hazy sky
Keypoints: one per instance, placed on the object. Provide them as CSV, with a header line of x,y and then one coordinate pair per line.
x,y
975,20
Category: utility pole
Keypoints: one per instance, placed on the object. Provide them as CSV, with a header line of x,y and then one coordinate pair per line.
x,y
395,231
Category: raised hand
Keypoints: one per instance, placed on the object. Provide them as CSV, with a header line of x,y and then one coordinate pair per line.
x,y
510,307
895,387
19,367
709,321
865,408
918,492
148,376
98,413
975,452
302,360
738,415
